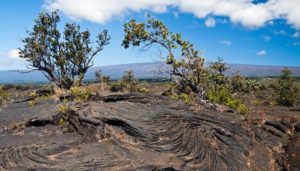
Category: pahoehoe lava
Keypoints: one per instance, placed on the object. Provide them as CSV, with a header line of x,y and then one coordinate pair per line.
x,y
148,132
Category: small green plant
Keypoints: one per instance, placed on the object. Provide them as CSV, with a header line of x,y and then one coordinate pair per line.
x,y
34,99
285,89
64,108
222,95
63,114
189,99
237,83
4,96
98,75
101,78
117,87
129,81
217,70
81,94
105,79
143,90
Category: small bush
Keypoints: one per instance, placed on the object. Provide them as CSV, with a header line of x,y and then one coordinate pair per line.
x,y
143,90
127,83
64,108
285,89
187,98
222,95
101,78
117,87
34,99
81,94
4,96
105,79
240,84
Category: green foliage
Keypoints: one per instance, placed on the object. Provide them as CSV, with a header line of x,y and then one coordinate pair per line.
x,y
63,109
187,98
62,57
34,99
129,81
117,87
241,84
4,96
238,83
143,90
217,70
285,89
64,112
81,94
98,75
186,68
223,95
105,79
101,78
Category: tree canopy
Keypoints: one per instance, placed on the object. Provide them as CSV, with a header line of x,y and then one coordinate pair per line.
x,y
65,57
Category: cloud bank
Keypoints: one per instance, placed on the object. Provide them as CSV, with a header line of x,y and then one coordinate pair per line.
x,y
243,12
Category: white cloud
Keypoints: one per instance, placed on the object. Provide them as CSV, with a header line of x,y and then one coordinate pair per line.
x,y
225,42
261,53
13,53
10,60
296,35
243,12
101,11
210,22
267,38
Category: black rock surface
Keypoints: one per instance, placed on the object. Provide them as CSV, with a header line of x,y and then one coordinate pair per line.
x,y
142,132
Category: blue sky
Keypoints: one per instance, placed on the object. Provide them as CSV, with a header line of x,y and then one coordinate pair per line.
x,y
239,31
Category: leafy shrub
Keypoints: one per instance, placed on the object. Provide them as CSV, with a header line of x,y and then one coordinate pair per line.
x,y
105,79
187,98
117,87
98,75
129,81
34,99
143,90
237,83
101,78
4,96
218,70
223,95
285,89
252,85
64,108
81,94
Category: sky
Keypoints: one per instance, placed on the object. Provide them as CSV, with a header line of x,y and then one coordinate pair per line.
x,y
260,32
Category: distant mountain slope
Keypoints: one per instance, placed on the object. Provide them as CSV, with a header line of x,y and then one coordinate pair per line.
x,y
145,70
